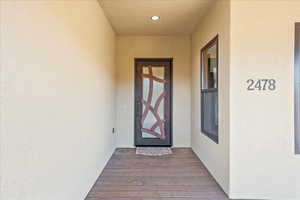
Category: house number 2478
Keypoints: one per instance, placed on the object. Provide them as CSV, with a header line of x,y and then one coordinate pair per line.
x,y
261,84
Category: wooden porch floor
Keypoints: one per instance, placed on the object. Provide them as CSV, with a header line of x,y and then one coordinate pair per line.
x,y
179,176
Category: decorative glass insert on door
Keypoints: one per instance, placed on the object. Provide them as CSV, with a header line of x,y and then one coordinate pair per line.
x,y
153,99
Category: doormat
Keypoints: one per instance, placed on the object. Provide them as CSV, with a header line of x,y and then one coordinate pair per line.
x,y
153,151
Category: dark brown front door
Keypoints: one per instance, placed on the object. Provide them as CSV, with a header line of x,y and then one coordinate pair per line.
x,y
153,102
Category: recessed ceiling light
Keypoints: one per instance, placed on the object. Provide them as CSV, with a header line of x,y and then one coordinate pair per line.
x,y
155,18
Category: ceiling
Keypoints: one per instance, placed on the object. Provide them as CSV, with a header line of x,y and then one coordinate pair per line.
x,y
133,17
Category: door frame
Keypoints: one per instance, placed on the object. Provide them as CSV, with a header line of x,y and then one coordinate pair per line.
x,y
136,61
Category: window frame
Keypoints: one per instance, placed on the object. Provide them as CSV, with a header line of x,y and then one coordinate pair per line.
x,y
211,43
297,88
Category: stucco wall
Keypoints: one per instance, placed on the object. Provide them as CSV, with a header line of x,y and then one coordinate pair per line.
x,y
176,47
262,160
214,156
57,98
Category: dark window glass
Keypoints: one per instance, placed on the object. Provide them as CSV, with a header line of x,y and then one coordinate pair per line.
x,y
209,90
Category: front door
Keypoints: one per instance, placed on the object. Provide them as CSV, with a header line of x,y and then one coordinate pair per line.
x,y
153,102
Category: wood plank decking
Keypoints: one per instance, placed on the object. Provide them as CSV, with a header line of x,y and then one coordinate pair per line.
x,y
180,176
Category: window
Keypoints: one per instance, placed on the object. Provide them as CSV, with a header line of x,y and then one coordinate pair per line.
x,y
297,88
209,90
